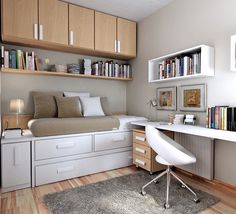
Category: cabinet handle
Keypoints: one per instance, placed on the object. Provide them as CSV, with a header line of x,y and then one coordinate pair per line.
x,y
115,45
35,31
118,48
17,156
140,150
65,145
140,162
40,32
140,138
65,169
71,38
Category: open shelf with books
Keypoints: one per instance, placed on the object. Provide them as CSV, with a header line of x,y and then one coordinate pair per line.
x,y
190,63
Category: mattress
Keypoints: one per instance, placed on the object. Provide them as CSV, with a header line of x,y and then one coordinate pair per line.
x,y
125,121
62,126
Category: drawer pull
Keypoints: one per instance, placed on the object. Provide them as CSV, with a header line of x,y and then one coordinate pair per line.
x,y
140,138
65,169
140,150
65,145
140,162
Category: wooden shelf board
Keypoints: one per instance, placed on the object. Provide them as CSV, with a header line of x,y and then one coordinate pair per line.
x,y
48,73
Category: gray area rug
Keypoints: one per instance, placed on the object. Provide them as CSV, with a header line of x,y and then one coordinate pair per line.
x,y
122,196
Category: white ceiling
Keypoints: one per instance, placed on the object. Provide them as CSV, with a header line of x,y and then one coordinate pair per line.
x,y
131,9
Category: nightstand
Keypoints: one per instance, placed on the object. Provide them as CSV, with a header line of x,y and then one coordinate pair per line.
x,y
143,155
16,162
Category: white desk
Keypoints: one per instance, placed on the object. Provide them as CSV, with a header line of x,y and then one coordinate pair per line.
x,y
192,130
198,140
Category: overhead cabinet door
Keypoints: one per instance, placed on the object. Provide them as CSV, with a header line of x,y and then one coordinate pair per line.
x,y
105,32
81,27
20,18
53,21
126,37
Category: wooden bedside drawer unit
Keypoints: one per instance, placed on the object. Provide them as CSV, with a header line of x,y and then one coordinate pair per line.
x,y
143,155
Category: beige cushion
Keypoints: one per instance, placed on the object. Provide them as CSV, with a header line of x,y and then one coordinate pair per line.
x,y
105,106
68,107
45,104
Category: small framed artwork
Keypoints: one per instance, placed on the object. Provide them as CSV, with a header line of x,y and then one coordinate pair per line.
x,y
166,98
233,53
192,97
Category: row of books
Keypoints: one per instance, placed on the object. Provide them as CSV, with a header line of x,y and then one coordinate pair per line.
x,y
222,117
19,59
180,66
111,69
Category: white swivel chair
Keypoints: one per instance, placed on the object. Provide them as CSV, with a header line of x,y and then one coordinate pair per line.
x,y
169,153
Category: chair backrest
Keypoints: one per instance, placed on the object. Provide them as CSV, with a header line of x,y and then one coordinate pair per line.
x,y
167,148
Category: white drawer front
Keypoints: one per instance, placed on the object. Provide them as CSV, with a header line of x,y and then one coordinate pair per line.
x,y
53,148
112,141
65,170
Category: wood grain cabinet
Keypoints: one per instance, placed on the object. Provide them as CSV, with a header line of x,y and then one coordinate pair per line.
x,y
105,32
81,27
143,155
126,37
53,21
20,18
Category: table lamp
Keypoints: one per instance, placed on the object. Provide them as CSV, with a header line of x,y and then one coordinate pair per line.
x,y
17,107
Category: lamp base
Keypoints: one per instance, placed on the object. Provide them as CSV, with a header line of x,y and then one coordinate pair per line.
x,y
12,133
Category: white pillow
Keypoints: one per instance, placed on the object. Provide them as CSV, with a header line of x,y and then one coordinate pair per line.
x,y
77,94
92,106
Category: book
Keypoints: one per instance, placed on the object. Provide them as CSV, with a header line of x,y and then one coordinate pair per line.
x,y
6,59
2,56
13,58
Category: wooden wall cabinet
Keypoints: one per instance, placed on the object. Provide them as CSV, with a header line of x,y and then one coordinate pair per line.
x,y
20,18
53,21
126,37
105,32
81,27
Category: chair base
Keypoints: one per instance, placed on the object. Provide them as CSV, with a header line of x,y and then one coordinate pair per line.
x,y
169,172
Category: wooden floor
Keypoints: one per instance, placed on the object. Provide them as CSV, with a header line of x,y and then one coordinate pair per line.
x,y
30,200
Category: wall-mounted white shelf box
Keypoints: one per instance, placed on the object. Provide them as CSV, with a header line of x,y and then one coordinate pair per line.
x,y
190,63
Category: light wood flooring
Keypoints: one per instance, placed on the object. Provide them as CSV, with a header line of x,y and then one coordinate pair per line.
x,y
30,200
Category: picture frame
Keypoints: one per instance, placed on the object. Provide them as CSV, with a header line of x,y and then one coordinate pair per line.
x,y
233,53
166,98
192,97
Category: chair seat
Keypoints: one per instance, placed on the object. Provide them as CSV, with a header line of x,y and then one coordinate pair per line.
x,y
190,160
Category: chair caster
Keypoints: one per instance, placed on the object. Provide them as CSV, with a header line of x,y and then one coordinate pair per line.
x,y
150,173
143,193
196,200
183,186
166,206
156,182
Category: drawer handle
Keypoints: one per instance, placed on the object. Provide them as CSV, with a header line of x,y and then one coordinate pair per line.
x,y
140,138
65,145
140,150
140,162
118,139
65,169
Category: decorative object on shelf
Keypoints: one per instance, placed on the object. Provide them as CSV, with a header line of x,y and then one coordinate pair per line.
x,y
73,68
189,119
17,107
189,63
58,68
179,119
233,53
87,63
192,97
166,98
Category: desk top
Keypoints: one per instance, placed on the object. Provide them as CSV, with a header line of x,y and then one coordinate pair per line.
x,y
193,130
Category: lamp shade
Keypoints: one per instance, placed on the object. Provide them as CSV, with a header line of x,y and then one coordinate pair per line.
x,y
17,106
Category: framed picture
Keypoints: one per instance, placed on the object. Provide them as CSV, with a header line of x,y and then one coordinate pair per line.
x,y
192,97
166,98
233,53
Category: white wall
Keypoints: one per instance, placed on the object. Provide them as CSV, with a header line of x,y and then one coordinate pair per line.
x,y
19,86
184,24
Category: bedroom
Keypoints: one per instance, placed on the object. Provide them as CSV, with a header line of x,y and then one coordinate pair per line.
x,y
161,28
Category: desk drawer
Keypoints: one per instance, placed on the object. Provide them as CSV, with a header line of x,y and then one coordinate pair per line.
x,y
112,141
53,148
140,138
142,162
141,150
